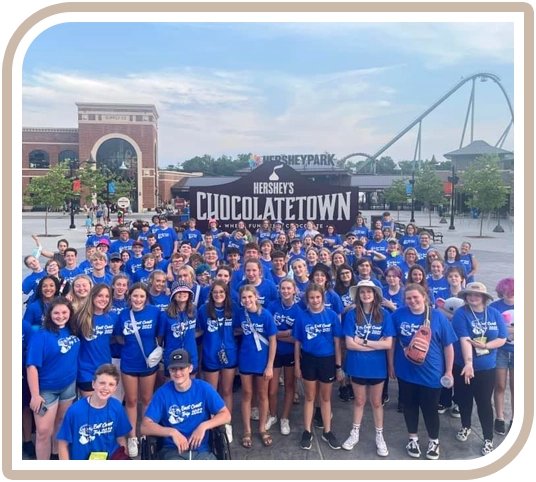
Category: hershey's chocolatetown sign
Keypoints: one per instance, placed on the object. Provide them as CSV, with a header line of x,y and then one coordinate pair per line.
x,y
275,191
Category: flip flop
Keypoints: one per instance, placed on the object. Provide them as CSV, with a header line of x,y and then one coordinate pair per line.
x,y
266,439
246,440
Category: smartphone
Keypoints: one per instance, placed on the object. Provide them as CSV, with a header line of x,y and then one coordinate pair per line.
x,y
42,410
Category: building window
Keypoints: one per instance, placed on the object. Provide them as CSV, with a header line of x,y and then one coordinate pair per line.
x,y
67,156
39,160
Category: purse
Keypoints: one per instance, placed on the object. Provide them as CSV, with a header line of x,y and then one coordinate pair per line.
x,y
419,345
119,454
156,355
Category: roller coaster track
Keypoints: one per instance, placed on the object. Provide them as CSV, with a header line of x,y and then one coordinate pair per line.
x,y
483,76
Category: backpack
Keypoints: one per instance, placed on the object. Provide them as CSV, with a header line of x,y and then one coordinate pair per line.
x,y
419,345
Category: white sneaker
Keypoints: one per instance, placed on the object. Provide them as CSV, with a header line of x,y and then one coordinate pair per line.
x,y
352,440
255,413
132,446
285,426
270,422
229,432
381,446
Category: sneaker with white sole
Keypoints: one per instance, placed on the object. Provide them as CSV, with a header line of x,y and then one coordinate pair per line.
x,y
413,449
455,412
332,441
132,446
272,420
255,413
381,446
432,452
488,447
463,434
285,426
352,440
229,432
306,440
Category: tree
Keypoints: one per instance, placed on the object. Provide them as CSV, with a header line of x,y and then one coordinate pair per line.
x,y
396,194
50,191
428,188
95,182
483,183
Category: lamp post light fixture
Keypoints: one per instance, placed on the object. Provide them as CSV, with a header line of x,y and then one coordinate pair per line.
x,y
453,181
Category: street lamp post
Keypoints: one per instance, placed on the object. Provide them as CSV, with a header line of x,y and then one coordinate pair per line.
x,y
412,182
74,164
453,181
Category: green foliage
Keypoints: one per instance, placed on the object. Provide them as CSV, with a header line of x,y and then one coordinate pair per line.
x,y
396,193
96,181
428,188
483,183
222,166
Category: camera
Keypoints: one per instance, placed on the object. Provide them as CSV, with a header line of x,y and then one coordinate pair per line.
x,y
222,357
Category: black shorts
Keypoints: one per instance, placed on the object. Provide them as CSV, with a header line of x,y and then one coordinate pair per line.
x,y
85,386
321,368
142,374
26,395
367,381
286,360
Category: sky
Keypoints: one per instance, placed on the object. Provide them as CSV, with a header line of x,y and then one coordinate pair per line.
x,y
278,88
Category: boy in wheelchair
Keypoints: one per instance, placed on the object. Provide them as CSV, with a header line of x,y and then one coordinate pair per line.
x,y
183,412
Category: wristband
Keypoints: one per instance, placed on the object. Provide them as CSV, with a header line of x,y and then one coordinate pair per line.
x,y
338,367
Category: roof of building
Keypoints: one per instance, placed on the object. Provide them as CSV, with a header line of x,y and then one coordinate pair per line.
x,y
476,148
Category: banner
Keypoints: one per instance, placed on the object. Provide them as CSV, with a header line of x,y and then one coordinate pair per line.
x,y
275,191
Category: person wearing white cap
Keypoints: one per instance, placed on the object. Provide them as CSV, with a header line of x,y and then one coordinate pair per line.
x,y
183,411
369,332
481,331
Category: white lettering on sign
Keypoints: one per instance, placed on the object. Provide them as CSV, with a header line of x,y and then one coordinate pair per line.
x,y
115,118
252,208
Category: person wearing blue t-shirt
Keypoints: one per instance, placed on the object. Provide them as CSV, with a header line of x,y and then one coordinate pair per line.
x,y
369,332
436,280
423,247
123,243
468,260
157,286
192,235
285,311
264,231
183,411
266,288
95,426
392,257
167,238
47,289
51,365
419,384
136,259
71,269
377,243
321,274
363,266
481,331
177,324
29,284
393,292
95,325
359,228
135,374
296,250
99,235
317,354
255,359
505,355
409,239
98,274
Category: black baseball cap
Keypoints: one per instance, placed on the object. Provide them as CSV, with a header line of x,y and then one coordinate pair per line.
x,y
179,358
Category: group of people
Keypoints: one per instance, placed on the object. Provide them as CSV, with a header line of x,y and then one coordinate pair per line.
x,y
170,323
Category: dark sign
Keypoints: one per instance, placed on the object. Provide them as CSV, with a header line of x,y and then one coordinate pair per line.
x,y
274,191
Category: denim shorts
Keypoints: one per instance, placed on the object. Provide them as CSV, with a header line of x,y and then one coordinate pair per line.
x,y
505,359
62,395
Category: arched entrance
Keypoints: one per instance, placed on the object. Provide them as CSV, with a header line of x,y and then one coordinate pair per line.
x,y
120,159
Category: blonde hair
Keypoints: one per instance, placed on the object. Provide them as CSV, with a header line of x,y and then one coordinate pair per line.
x,y
86,311
76,301
253,290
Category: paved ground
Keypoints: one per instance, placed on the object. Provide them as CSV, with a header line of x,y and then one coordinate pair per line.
x,y
495,254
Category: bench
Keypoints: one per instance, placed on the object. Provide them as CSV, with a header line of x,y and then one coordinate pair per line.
x,y
437,237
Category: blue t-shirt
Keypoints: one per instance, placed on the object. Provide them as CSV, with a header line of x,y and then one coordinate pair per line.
x,y
430,372
284,319
316,332
161,301
360,231
55,355
392,259
421,254
166,238
141,275
367,364
120,246
332,301
27,333
86,267
379,246
218,334
397,299
132,359
408,241
488,323
178,333
267,291
253,356
106,279
95,351
31,281
35,313
88,429
439,287
194,236
185,411
94,239
69,274
133,265
467,261
117,307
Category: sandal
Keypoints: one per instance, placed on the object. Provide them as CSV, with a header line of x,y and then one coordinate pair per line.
x,y
266,439
296,399
246,440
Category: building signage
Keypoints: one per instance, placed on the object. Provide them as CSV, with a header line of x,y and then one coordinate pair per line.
x,y
116,118
275,191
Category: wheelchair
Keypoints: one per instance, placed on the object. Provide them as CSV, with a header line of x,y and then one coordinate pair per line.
x,y
217,440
